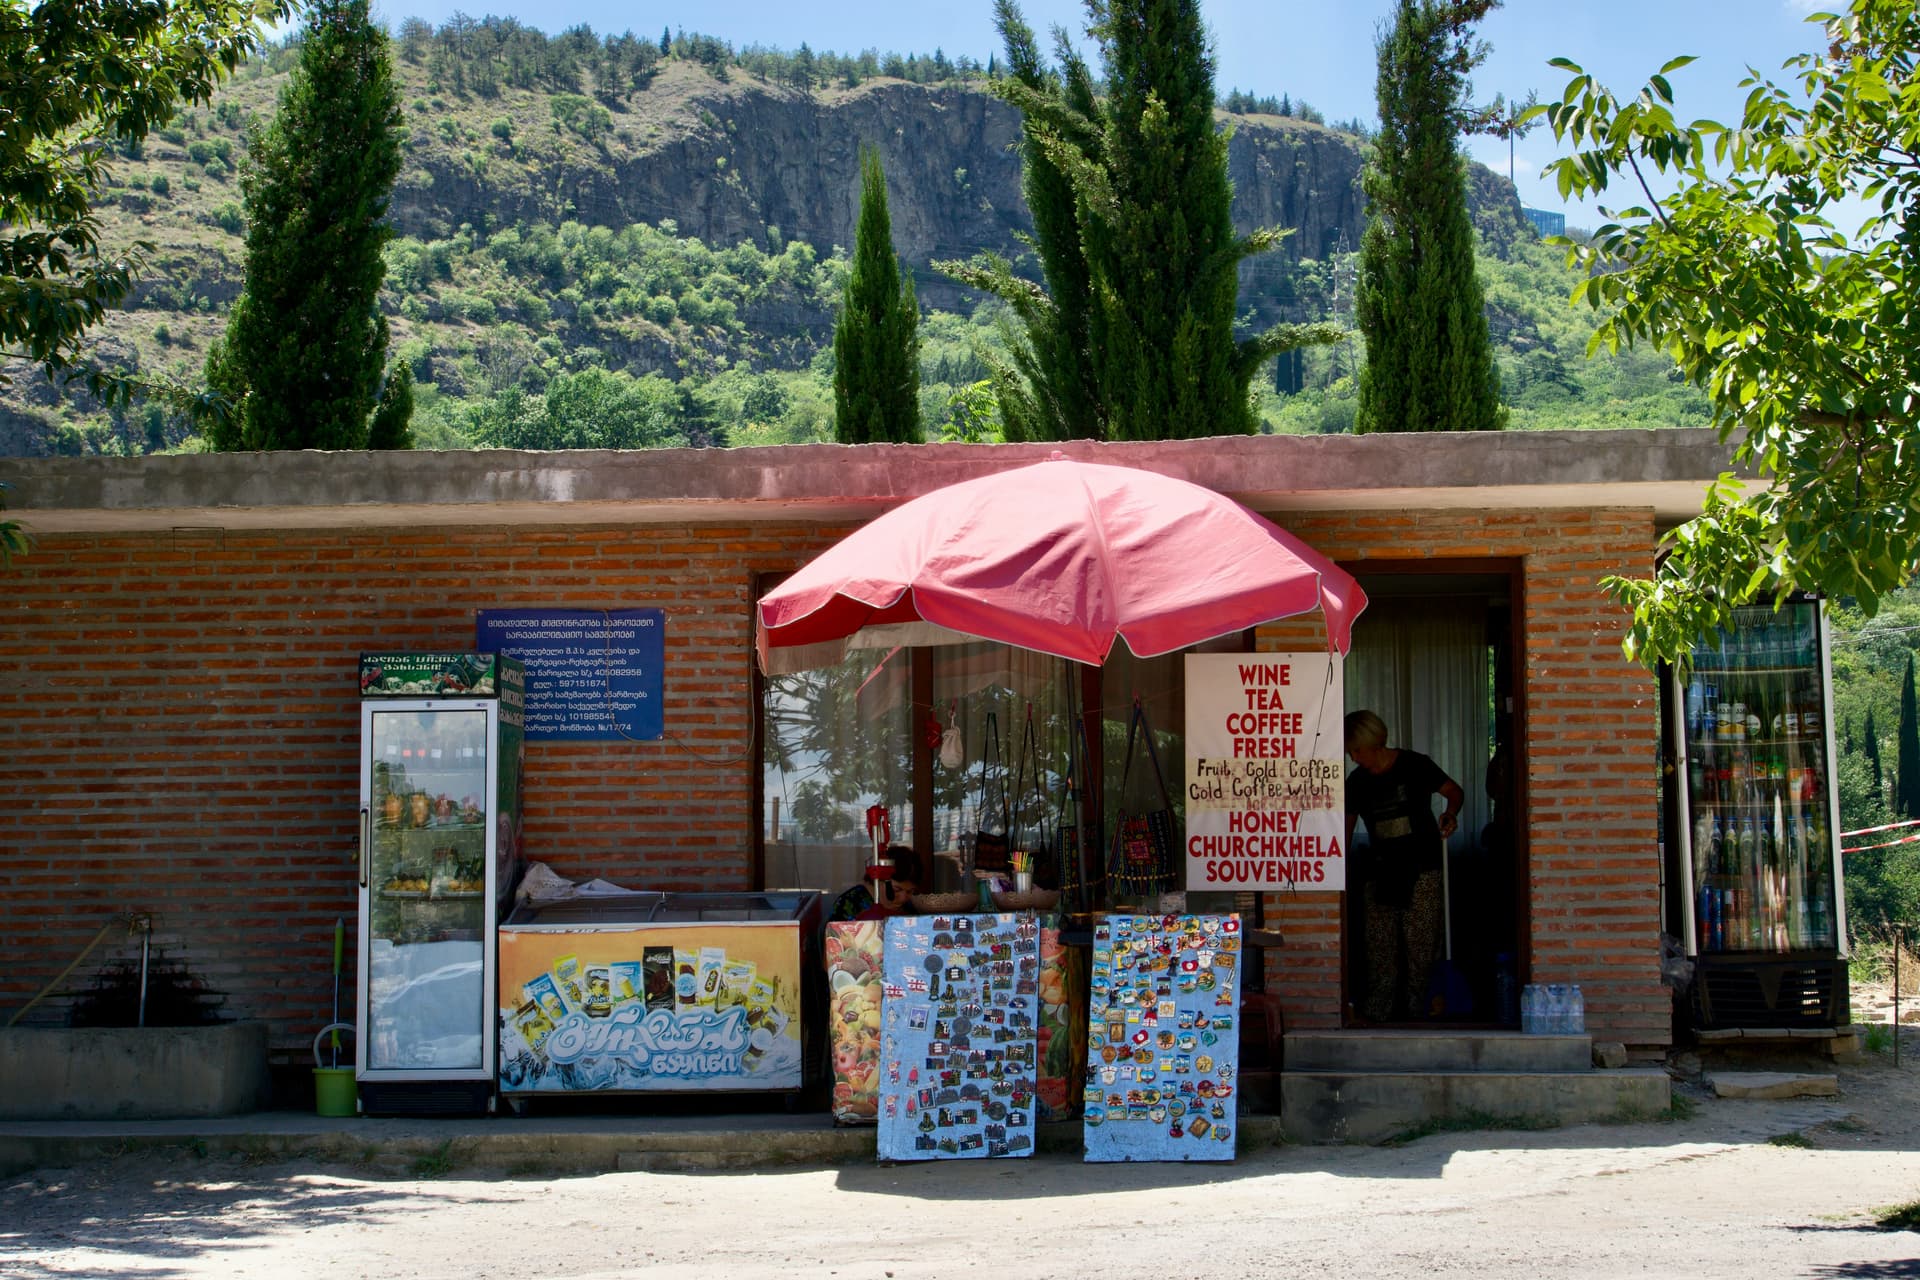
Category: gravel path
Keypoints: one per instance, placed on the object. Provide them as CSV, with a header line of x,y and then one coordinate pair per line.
x,y
1738,1189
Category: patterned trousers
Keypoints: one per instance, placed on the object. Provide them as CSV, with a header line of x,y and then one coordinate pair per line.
x,y
1401,943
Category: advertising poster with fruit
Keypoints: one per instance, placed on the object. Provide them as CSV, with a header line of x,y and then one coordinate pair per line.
x,y
428,675
958,1051
1061,1036
659,1009
854,960
1163,1040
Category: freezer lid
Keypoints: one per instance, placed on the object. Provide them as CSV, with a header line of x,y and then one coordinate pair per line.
x,y
747,906
631,907
648,907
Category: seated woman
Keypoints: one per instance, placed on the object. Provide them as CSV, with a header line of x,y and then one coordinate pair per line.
x,y
895,892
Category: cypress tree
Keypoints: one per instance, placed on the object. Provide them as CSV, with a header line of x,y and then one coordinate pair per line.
x,y
1132,337
876,344
1418,302
1872,749
1906,775
306,344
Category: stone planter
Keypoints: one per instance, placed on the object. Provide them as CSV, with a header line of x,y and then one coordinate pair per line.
x,y
132,1073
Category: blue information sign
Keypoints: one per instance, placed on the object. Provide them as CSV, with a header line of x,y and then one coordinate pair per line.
x,y
592,674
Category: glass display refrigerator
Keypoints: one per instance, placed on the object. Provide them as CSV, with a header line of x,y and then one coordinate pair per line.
x,y
1754,819
440,775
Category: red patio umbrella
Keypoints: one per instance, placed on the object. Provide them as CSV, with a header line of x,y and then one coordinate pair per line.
x,y
1062,557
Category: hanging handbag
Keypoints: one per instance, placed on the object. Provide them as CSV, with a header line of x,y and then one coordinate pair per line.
x,y
1141,860
1038,839
990,847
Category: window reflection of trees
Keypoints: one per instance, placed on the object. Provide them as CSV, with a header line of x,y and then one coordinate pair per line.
x,y
839,739
835,744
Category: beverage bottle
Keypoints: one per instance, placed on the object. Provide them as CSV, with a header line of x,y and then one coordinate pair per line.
x,y
1749,844
1717,847
1530,1009
1505,996
1811,718
1576,1011
1703,922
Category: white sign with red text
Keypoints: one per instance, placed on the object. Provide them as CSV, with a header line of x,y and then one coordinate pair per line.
x,y
1266,778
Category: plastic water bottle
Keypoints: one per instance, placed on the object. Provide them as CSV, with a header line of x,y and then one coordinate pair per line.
x,y
1576,1012
1530,1009
1556,1009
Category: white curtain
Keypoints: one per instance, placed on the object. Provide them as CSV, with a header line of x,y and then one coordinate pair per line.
x,y
1422,665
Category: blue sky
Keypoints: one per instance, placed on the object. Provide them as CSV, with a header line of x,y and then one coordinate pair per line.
x,y
1321,52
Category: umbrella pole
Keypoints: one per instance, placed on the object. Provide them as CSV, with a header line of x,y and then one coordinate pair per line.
x,y
1077,769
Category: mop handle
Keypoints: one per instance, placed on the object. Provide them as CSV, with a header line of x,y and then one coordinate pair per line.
x,y
339,951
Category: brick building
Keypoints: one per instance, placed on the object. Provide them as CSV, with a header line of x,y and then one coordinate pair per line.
x,y
180,724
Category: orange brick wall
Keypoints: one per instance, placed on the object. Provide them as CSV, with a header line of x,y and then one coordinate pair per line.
x,y
179,732
179,735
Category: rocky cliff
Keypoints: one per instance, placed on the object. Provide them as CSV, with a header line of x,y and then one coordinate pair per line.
x,y
728,161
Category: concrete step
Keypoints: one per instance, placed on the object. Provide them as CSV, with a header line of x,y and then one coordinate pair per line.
x,y
1435,1050
1371,1106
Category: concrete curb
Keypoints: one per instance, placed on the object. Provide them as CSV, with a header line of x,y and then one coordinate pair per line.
x,y
432,1148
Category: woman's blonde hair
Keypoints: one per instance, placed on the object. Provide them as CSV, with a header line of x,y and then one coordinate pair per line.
x,y
1365,729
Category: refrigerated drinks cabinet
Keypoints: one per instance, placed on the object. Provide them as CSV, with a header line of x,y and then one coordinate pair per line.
x,y
440,776
1757,875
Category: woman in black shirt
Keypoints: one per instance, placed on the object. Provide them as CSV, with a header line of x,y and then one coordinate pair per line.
x,y
1392,791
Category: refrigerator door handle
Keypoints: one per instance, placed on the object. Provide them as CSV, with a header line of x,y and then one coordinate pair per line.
x,y
366,841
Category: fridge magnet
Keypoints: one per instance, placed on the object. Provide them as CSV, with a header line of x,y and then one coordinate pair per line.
x,y
1160,991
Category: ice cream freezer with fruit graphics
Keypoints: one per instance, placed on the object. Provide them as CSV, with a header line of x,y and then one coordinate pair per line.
x,y
646,992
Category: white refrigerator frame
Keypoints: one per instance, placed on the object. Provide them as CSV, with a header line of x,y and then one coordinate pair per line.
x,y
484,1010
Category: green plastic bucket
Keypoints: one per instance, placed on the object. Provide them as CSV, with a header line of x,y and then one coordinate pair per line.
x,y
335,1092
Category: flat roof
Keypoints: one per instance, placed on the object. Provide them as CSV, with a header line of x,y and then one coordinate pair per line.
x,y
1667,471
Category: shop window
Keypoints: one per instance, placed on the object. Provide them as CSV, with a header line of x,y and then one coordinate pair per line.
x,y
839,741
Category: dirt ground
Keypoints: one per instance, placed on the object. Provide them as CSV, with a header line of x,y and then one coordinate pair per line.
x,y
1732,1188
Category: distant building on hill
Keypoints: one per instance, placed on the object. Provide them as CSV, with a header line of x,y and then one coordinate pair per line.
x,y
1545,222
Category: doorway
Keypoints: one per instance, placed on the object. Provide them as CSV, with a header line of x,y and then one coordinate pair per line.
x,y
1433,658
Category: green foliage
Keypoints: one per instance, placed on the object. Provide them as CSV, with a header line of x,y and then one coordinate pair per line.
x,y
14,541
1906,776
876,379
1801,334
306,344
78,80
591,409
1429,358
1869,663
1132,337
390,428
